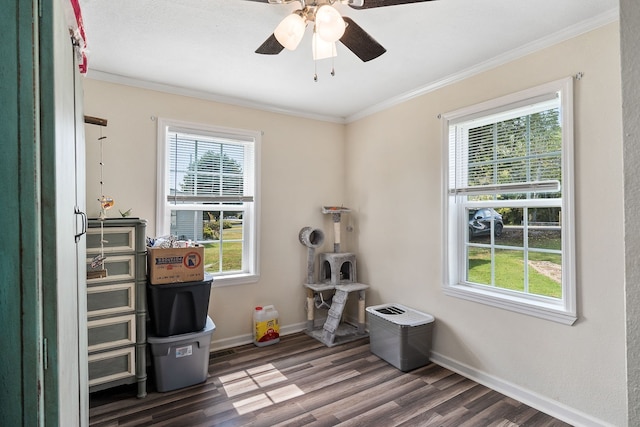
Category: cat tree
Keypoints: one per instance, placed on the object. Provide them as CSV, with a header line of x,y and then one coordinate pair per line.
x,y
337,273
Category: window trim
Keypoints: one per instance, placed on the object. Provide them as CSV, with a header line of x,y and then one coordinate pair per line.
x,y
162,181
562,311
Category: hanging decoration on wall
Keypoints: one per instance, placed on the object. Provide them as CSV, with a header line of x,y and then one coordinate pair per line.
x,y
98,262
106,202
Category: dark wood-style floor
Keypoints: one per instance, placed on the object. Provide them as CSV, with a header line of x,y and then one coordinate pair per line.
x,y
301,382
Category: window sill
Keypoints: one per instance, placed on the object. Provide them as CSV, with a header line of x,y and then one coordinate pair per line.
x,y
235,279
547,311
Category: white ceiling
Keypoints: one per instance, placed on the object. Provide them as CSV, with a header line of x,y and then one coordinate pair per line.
x,y
206,48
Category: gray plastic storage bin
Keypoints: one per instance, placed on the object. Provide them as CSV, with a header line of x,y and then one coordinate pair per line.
x,y
400,335
181,360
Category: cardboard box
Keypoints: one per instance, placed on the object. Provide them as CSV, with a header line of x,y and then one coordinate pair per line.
x,y
175,265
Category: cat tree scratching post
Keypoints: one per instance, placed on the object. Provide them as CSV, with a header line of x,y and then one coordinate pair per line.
x,y
337,272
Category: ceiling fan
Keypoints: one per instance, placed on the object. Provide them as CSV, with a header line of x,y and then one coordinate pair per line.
x,y
329,27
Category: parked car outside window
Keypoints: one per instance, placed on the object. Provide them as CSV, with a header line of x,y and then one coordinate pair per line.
x,y
480,222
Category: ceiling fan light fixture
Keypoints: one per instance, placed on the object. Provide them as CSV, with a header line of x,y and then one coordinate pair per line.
x,y
290,30
321,48
329,24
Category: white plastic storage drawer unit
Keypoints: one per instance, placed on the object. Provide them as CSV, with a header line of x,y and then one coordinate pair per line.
x,y
400,335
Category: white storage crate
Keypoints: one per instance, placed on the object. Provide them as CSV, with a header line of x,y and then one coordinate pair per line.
x,y
400,335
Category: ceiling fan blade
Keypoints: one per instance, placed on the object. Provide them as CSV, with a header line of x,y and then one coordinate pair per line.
x,y
360,42
271,46
369,4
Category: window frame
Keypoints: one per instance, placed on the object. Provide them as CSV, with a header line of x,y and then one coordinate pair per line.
x,y
251,244
561,310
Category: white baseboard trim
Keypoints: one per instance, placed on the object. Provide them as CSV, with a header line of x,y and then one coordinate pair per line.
x,y
222,344
528,397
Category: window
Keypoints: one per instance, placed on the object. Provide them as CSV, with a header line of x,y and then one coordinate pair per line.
x,y
509,203
208,193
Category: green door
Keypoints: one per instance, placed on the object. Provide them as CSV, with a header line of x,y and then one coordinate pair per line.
x,y
42,303
21,364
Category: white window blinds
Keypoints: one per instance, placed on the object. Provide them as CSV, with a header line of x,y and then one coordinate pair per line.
x,y
209,169
505,153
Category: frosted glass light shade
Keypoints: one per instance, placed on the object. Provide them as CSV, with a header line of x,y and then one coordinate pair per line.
x,y
322,49
290,30
329,24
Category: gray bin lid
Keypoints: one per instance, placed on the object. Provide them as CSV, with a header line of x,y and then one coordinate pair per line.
x,y
209,328
400,314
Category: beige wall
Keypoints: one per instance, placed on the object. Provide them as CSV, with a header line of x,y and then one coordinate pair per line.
x,y
394,188
630,59
302,169
387,169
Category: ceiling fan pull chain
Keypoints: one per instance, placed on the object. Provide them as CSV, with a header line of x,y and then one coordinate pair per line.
x,y
333,68
315,71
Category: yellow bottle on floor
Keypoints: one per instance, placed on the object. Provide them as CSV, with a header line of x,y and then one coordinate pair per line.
x,y
266,330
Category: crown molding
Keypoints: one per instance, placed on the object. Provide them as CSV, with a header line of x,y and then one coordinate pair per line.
x,y
207,96
527,49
